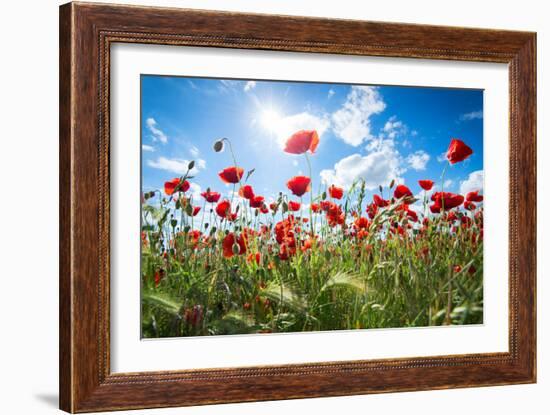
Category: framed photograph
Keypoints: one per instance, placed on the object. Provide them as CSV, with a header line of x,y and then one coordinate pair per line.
x,y
260,207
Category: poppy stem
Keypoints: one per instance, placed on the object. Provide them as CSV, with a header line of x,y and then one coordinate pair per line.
x,y
443,188
232,153
310,194
202,218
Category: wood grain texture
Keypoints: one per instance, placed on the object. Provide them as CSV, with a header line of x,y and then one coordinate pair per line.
x,y
86,33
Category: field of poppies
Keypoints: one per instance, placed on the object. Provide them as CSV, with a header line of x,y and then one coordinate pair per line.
x,y
309,261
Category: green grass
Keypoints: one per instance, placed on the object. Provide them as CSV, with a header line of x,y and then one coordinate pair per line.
x,y
431,274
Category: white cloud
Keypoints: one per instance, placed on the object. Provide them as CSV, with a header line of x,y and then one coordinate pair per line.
x,y
474,115
195,191
442,157
447,184
380,166
473,182
295,163
394,128
200,163
286,126
177,166
351,123
228,85
331,92
145,147
249,85
157,133
418,160
194,151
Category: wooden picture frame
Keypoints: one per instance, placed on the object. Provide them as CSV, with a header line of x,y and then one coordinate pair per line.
x,y
86,33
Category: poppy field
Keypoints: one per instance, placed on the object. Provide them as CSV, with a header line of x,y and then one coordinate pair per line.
x,y
318,256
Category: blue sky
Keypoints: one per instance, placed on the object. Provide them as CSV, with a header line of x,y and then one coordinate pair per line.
x,y
378,133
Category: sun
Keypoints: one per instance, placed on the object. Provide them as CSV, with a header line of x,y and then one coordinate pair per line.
x,y
270,120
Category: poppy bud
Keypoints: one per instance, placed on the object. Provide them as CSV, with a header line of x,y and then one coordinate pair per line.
x,y
392,183
189,209
187,229
235,248
380,188
191,165
173,222
218,146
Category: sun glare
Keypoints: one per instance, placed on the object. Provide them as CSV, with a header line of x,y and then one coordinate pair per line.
x,y
270,120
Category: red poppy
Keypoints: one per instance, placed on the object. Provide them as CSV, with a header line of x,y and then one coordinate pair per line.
x,y
231,174
211,197
171,186
299,185
335,216
466,221
229,241
223,209
254,257
451,217
361,223
474,197
302,141
196,210
159,275
412,215
194,237
284,231
293,206
469,205
246,191
286,251
326,205
264,209
458,151
372,210
273,206
315,207
402,191
335,192
257,202
445,200
307,245
379,201
426,184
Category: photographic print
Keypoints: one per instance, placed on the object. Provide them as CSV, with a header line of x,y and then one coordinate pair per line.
x,y
280,207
